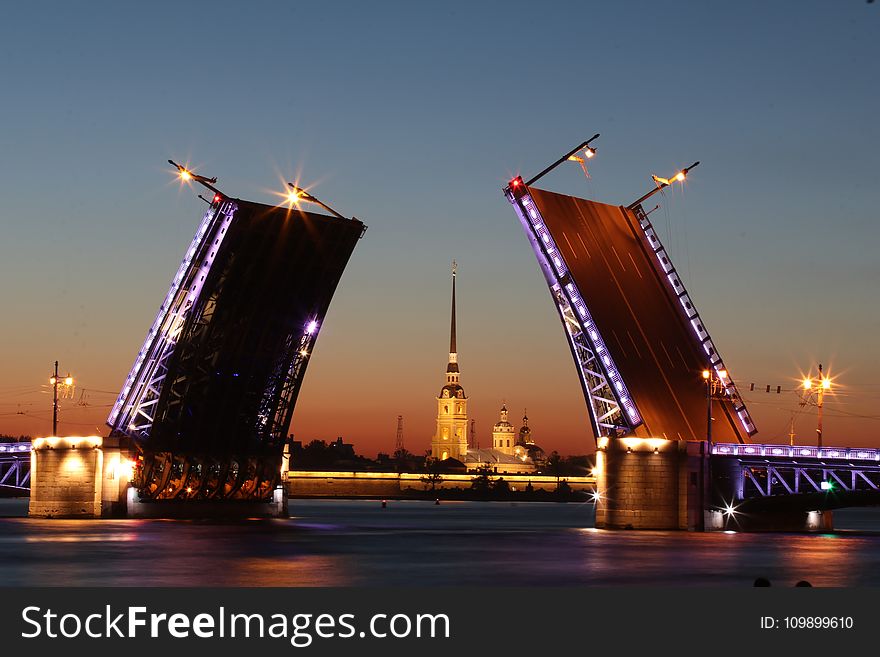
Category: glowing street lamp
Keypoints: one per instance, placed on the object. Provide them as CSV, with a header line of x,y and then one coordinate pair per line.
x,y
298,194
56,381
708,378
294,197
662,183
589,152
821,385
188,176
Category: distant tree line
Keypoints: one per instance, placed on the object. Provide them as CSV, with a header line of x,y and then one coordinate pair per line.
x,y
5,438
321,455
567,466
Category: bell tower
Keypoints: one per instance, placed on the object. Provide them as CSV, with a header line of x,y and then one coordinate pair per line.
x,y
450,439
503,436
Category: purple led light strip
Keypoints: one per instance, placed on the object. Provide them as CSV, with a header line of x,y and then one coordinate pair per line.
x,y
280,396
169,320
693,317
549,252
163,310
796,451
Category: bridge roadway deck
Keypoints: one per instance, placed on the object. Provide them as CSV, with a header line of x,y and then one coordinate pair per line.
x,y
639,318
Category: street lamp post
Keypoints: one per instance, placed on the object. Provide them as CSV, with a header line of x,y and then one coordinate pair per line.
x,y
707,375
55,381
299,194
584,146
662,183
821,384
188,176
710,383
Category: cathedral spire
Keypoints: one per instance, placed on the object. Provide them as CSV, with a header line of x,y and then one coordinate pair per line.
x,y
450,440
453,351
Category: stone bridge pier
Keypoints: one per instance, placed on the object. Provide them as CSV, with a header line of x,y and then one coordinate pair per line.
x,y
78,477
90,477
651,483
654,483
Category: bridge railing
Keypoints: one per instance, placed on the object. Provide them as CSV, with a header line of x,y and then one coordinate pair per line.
x,y
796,451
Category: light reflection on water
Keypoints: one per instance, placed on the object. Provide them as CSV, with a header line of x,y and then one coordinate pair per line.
x,y
357,543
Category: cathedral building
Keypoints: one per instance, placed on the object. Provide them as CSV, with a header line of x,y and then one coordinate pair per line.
x,y
450,439
511,452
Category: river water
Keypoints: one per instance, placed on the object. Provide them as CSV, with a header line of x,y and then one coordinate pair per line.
x,y
417,543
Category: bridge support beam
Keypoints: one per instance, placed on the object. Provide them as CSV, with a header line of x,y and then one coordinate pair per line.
x,y
651,483
226,509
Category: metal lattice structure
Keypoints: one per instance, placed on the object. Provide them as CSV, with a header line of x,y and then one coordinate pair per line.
x,y
664,262
134,411
210,397
760,472
15,466
603,387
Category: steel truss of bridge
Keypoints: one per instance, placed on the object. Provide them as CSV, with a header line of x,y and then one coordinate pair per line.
x,y
15,466
210,397
772,470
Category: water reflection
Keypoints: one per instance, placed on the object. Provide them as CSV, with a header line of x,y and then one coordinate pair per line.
x,y
351,543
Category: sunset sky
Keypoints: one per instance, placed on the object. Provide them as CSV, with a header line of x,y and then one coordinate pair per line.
x,y
412,117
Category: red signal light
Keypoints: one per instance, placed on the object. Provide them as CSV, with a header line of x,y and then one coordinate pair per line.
x,y
217,198
516,182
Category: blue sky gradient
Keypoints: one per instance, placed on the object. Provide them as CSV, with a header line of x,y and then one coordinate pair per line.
x,y
412,116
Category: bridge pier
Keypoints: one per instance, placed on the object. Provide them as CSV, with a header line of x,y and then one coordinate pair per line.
x,y
221,509
654,483
89,477
651,483
78,477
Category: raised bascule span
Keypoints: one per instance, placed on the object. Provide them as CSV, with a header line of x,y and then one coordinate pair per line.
x,y
210,396
672,432
637,340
